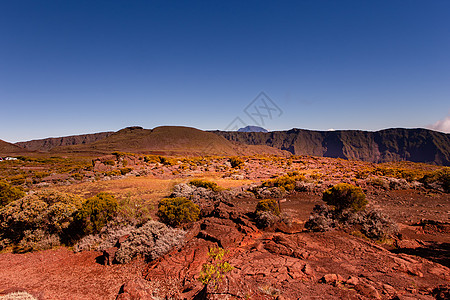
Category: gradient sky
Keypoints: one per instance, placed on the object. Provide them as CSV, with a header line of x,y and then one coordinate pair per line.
x,y
73,67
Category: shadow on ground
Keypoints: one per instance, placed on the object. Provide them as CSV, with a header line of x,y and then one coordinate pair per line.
x,y
434,251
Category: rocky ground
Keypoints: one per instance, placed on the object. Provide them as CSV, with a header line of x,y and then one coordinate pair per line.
x,y
281,262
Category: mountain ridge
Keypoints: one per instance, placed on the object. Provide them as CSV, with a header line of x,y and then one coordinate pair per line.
x,y
394,144
9,148
47,144
168,140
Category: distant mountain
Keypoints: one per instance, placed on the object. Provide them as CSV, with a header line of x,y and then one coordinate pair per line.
x,y
9,149
252,129
398,144
167,140
50,143
417,145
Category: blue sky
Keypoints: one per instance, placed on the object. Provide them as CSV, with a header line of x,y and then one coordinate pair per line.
x,y
72,67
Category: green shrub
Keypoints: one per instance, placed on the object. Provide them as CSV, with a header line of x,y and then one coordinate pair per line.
x,y
286,182
176,211
77,176
48,212
440,177
167,161
36,240
152,159
109,162
213,271
18,179
345,196
236,161
205,184
113,173
9,193
372,224
126,170
379,183
268,205
97,211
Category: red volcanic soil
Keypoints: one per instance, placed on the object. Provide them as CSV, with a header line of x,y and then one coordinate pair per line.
x,y
267,264
62,274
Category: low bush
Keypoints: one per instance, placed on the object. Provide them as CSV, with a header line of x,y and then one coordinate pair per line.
x,y
125,170
9,193
345,196
176,211
77,176
373,224
152,159
96,212
107,237
213,271
377,225
18,179
160,159
236,161
109,162
286,182
322,219
379,183
205,184
268,205
113,173
439,177
167,161
37,216
151,240
36,240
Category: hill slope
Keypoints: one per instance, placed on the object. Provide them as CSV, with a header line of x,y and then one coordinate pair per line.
x,y
50,143
417,145
8,148
167,140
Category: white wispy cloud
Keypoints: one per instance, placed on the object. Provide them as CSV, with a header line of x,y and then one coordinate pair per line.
x,y
441,125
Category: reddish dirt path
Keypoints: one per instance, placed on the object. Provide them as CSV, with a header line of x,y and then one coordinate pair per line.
x,y
61,274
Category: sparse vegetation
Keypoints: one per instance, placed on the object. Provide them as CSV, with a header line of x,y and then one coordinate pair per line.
x,y
44,215
345,196
321,219
268,205
236,162
125,170
439,177
151,240
109,162
213,271
348,212
176,211
9,193
96,212
285,182
205,184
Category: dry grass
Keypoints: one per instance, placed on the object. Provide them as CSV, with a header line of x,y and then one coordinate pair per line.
x,y
146,188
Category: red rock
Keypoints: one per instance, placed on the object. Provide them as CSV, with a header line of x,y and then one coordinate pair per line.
x,y
108,255
352,280
329,278
134,290
307,269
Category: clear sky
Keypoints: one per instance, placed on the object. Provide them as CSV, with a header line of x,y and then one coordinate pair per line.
x,y
73,67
